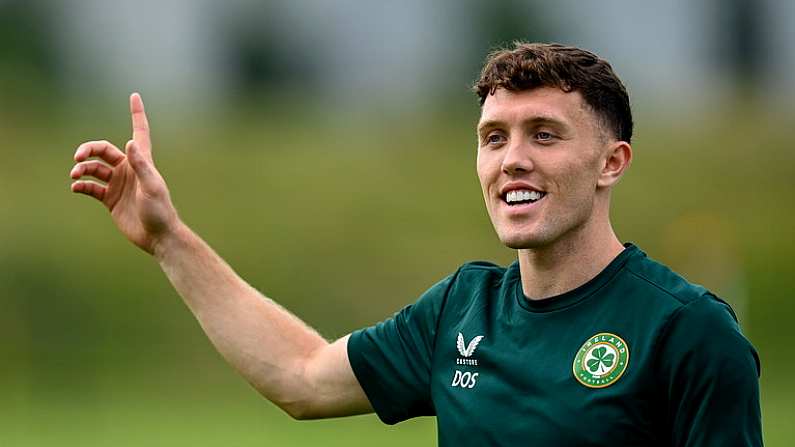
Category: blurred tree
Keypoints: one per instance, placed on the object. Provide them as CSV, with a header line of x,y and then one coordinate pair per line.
x,y
741,47
500,22
27,61
263,54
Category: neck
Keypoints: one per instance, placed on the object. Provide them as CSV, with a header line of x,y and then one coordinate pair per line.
x,y
568,263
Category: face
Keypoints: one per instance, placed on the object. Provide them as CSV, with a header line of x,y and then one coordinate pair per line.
x,y
540,157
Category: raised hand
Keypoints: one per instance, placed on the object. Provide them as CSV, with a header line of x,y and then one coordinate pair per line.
x,y
133,189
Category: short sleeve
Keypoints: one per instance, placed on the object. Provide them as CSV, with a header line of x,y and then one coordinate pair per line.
x,y
392,360
710,373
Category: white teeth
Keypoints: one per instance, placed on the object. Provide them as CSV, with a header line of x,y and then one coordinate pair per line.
x,y
522,195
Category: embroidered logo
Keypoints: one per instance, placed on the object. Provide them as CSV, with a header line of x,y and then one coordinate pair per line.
x,y
469,349
601,360
466,351
466,377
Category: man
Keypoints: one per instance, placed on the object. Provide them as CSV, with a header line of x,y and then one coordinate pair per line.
x,y
582,341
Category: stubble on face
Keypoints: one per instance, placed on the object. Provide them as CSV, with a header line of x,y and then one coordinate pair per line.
x,y
551,140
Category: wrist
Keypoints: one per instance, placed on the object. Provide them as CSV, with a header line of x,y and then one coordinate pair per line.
x,y
170,241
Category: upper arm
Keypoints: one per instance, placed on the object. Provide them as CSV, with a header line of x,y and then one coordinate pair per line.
x,y
710,373
333,388
393,359
389,370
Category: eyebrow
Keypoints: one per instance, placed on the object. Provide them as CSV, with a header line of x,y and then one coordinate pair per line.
x,y
538,119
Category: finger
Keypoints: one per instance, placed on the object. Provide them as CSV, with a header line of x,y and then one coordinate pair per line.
x,y
101,149
140,125
94,168
144,168
89,188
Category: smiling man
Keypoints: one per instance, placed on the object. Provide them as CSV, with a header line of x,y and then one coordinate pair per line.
x,y
582,341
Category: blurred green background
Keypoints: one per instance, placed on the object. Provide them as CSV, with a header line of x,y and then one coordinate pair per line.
x,y
329,157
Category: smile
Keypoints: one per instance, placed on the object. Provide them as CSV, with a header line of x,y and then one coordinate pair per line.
x,y
522,197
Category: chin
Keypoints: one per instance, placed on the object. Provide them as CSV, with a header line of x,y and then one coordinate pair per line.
x,y
523,241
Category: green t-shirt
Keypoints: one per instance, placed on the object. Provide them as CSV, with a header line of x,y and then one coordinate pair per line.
x,y
636,356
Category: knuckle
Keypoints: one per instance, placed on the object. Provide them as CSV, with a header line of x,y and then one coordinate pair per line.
x,y
79,149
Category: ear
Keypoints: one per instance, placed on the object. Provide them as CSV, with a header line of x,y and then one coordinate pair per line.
x,y
616,160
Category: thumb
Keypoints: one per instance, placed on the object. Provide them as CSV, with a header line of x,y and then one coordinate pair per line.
x,y
143,167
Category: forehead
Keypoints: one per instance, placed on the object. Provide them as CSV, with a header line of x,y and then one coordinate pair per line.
x,y
545,103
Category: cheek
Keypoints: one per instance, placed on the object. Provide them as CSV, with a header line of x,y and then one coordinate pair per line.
x,y
582,192
484,168
581,177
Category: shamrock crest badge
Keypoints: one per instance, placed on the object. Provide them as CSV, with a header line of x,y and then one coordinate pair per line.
x,y
601,360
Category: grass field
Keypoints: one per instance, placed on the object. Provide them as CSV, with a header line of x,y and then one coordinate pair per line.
x,y
343,225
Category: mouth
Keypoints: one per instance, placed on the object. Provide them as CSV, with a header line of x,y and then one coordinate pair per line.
x,y
519,197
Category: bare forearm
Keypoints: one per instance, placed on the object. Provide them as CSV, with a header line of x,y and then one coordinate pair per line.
x,y
265,343
283,358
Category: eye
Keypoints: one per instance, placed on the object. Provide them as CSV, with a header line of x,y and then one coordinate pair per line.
x,y
544,136
494,138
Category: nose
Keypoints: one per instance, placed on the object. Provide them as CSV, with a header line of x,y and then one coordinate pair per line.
x,y
517,158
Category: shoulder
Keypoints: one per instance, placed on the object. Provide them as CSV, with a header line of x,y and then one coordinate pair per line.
x,y
709,368
701,336
482,268
459,288
483,274
664,283
706,369
477,281
704,323
475,286
693,319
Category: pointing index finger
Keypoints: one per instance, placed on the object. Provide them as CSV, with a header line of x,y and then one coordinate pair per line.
x,y
140,124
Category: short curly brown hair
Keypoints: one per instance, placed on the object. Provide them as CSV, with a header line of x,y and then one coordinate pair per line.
x,y
531,65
